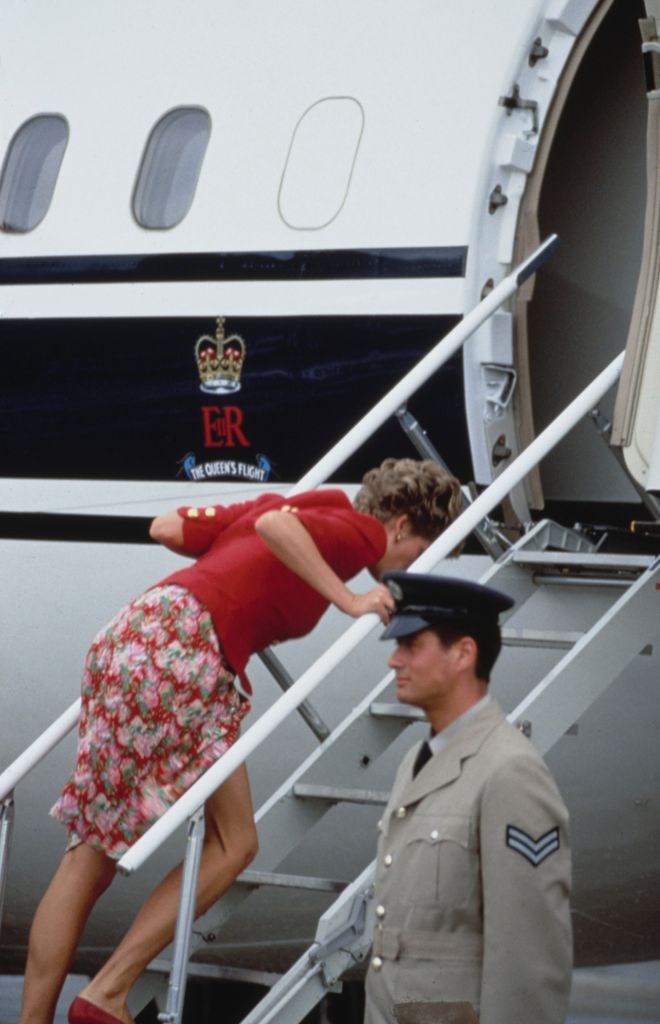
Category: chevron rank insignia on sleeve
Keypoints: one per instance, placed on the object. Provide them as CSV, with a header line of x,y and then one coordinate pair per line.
x,y
533,850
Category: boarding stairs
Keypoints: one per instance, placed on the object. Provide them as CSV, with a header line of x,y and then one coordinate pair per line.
x,y
547,564
559,580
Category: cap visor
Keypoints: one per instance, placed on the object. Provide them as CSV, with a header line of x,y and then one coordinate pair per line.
x,y
404,625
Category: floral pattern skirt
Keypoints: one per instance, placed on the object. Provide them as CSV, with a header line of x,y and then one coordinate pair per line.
x,y
158,708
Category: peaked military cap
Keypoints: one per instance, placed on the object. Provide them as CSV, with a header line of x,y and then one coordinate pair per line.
x,y
423,600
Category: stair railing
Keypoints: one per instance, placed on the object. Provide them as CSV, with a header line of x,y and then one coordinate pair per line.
x,y
16,771
420,373
39,749
291,700
199,792
334,458
188,807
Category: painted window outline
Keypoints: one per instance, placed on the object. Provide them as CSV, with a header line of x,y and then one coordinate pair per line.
x,y
349,179
149,202
30,172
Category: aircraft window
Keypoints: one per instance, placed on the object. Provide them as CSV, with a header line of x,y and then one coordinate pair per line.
x,y
30,171
171,167
319,165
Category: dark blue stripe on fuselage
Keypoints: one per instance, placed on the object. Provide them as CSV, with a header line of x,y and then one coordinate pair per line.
x,y
303,265
75,527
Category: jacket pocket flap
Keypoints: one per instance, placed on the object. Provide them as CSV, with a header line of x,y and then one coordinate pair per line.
x,y
440,828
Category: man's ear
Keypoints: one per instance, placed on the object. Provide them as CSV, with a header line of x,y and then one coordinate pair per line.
x,y
466,652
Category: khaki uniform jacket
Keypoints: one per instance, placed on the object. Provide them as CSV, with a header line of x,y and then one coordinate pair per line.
x,y
472,886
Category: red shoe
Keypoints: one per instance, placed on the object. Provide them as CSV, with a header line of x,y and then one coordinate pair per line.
x,y
82,1011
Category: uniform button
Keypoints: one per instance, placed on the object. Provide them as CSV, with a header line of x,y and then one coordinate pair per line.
x,y
380,911
435,835
401,812
286,508
376,963
387,860
193,513
210,512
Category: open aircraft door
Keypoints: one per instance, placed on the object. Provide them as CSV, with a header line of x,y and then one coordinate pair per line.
x,y
636,423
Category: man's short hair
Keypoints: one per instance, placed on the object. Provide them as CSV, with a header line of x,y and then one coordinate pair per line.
x,y
486,635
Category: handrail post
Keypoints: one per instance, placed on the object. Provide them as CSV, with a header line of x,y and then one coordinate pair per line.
x,y
176,988
492,542
285,681
6,829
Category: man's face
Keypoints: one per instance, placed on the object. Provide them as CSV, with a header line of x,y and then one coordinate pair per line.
x,y
425,669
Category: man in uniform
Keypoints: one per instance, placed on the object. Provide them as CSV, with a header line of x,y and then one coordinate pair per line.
x,y
473,872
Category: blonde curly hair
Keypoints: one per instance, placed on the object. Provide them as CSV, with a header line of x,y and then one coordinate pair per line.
x,y
429,495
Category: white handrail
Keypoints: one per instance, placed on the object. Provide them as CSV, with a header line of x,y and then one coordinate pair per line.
x,y
453,535
344,448
530,457
43,745
422,370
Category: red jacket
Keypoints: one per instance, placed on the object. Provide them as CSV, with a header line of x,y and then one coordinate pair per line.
x,y
254,600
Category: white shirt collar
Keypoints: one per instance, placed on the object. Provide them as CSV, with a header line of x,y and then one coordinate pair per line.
x,y
440,740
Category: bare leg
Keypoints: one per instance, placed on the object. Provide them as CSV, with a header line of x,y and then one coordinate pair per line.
x,y
81,878
230,843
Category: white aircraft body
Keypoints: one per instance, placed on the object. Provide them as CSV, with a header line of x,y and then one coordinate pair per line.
x,y
313,194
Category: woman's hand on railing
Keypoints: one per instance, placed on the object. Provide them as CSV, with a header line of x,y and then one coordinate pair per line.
x,y
378,600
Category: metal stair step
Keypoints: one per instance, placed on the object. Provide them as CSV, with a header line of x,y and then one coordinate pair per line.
x,y
276,879
402,712
547,535
546,713
372,726
546,638
284,819
582,567
339,794
218,972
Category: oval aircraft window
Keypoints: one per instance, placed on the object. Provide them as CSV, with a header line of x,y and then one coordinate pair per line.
x,y
30,171
171,167
319,165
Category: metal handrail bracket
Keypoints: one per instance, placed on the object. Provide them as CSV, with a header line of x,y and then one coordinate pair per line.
x,y
176,988
6,828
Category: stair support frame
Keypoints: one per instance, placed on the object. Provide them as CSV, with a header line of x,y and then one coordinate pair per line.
x,y
547,713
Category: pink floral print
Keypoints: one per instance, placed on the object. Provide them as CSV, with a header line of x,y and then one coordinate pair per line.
x,y
158,708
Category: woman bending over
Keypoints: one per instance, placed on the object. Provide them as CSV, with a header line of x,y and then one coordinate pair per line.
x,y
164,692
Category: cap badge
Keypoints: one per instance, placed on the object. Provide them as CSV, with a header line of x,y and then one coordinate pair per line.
x,y
395,590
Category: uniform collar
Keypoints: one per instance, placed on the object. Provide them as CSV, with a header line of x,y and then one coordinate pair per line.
x,y
463,743
439,740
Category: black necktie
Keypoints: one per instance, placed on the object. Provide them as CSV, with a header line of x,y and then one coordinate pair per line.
x,y
424,754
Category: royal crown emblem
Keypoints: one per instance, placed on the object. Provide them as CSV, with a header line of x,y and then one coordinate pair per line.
x,y
220,360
